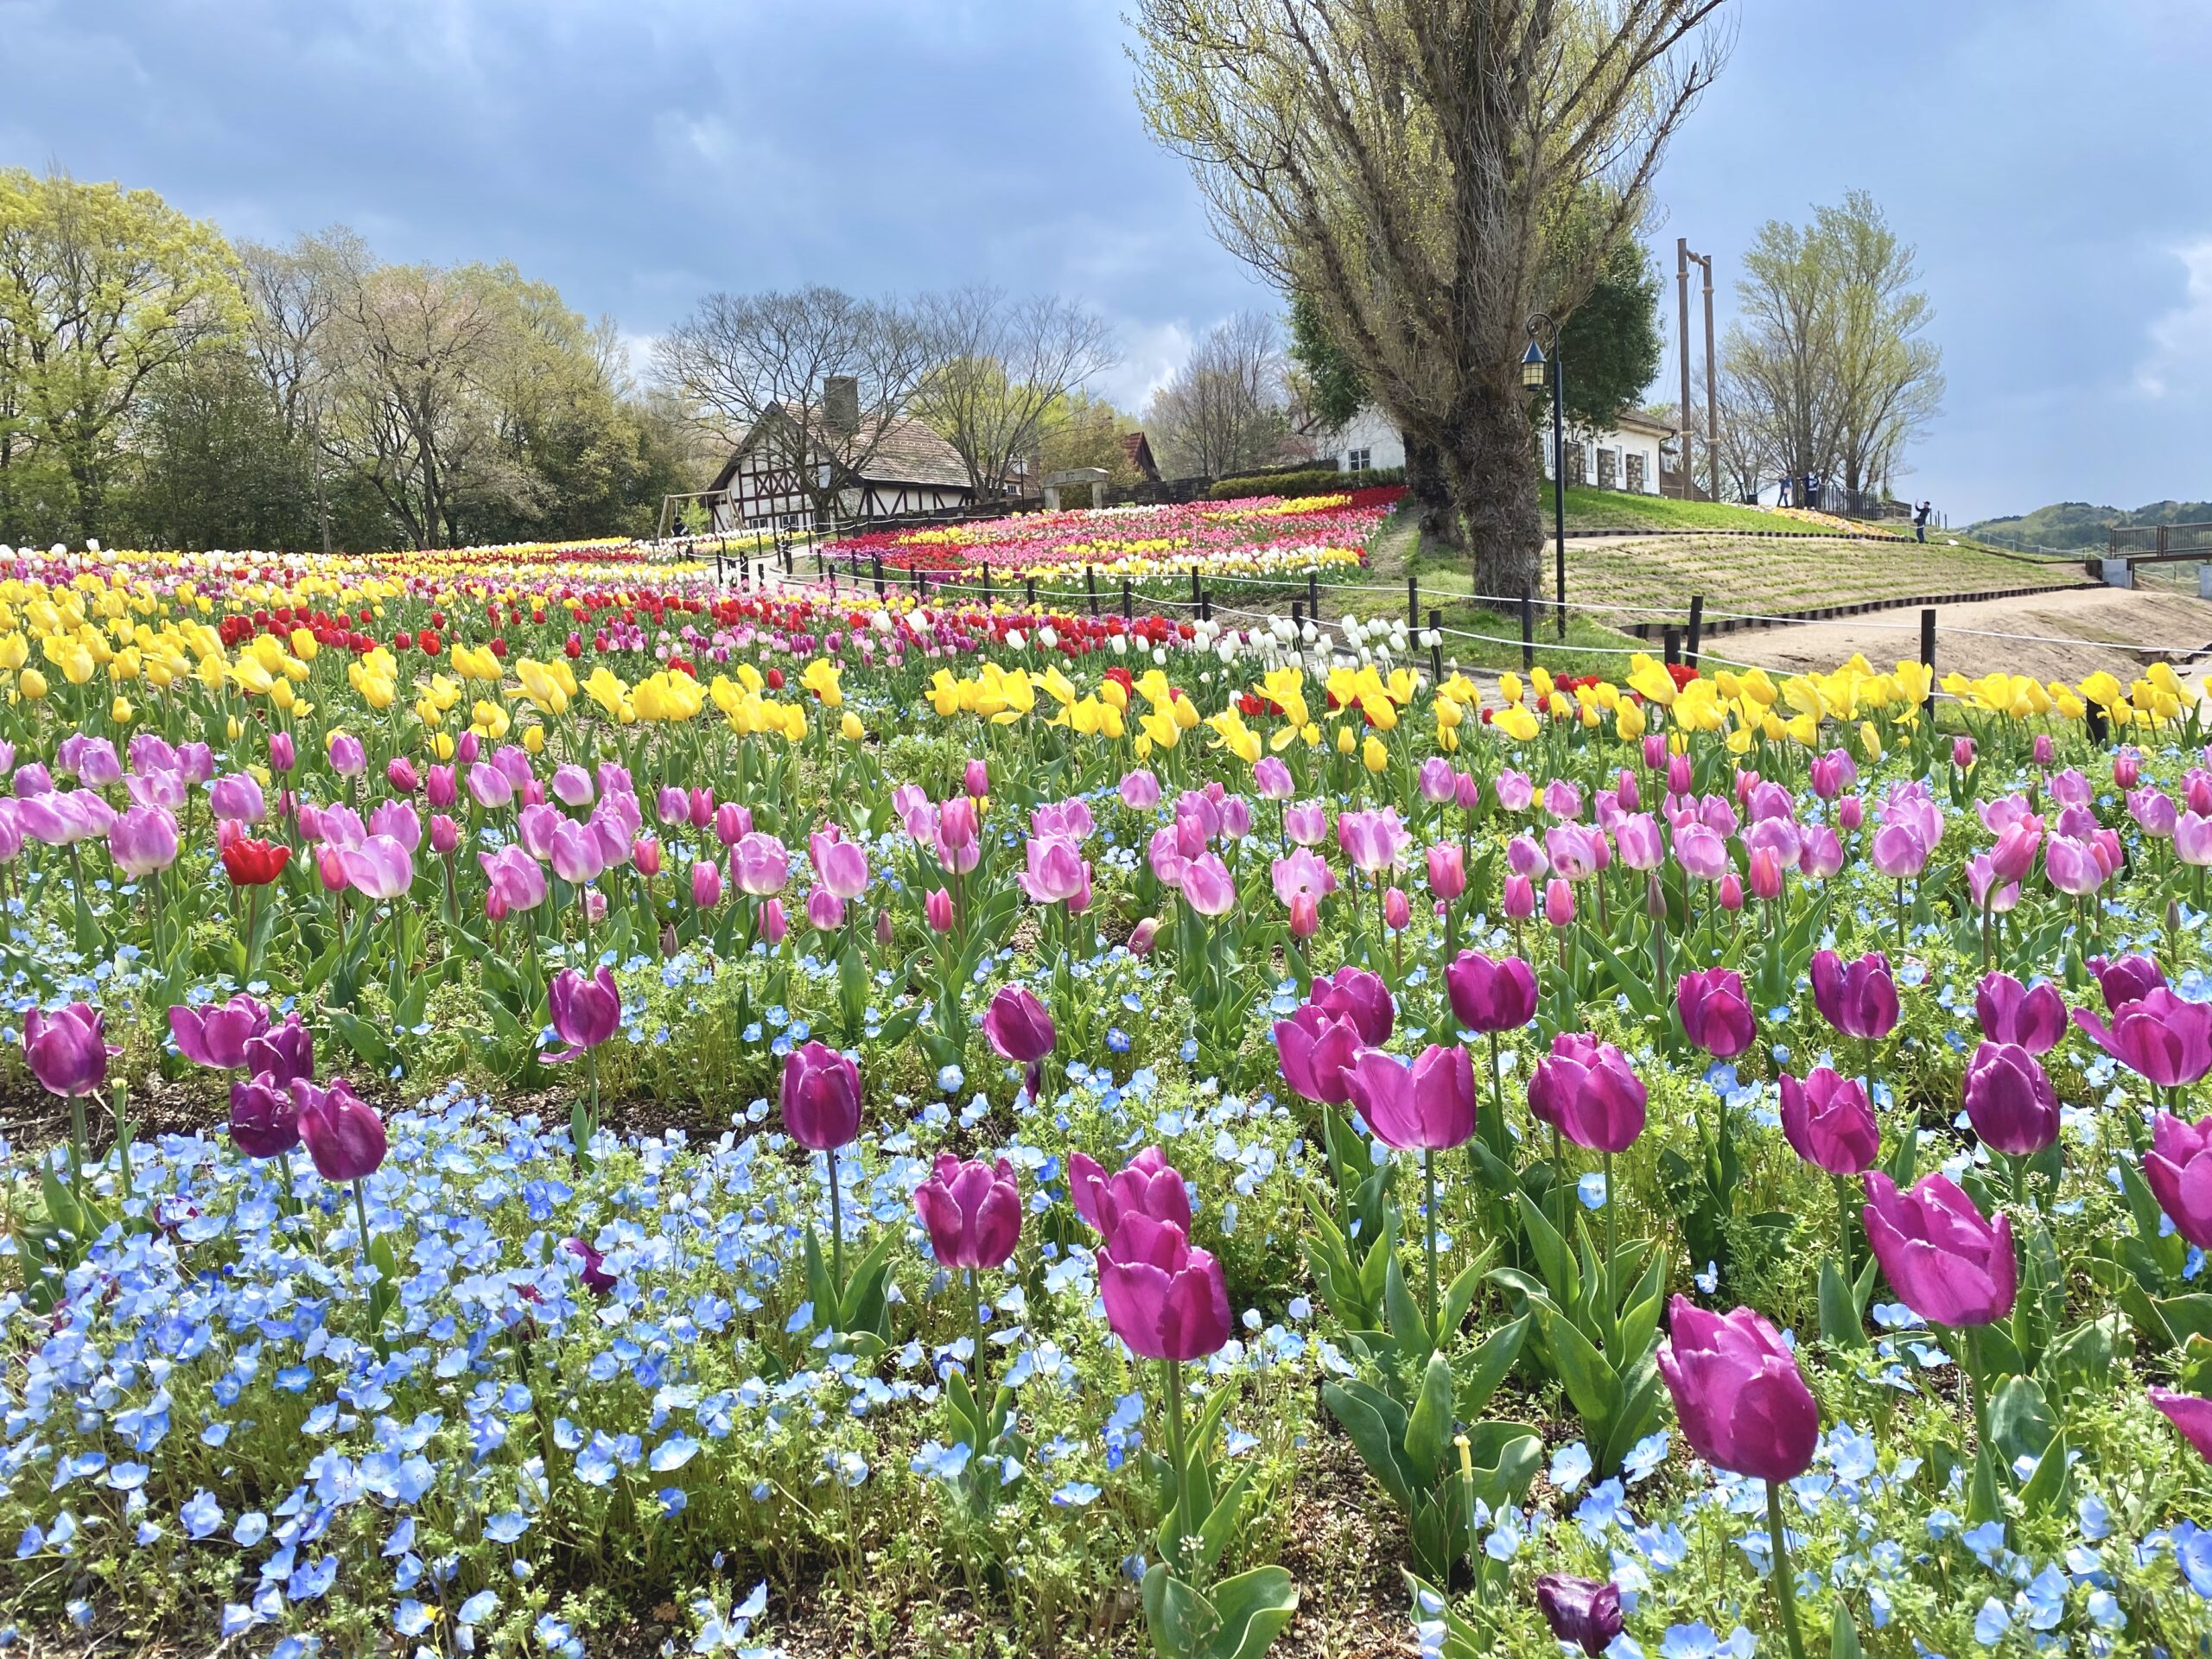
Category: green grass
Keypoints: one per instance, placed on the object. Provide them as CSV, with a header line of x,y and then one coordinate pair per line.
x,y
1593,509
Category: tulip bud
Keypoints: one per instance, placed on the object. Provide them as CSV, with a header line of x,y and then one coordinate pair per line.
x,y
282,754
975,779
2126,769
883,927
1655,751
668,945
1520,902
645,853
330,868
1766,874
1732,891
1559,902
1628,794
469,748
1305,916
1852,813
1679,778
1654,897
706,884
2045,751
1962,753
1397,913
774,925
937,908
445,834
1140,939
400,773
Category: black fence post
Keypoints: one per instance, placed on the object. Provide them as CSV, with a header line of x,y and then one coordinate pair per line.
x,y
787,558
722,552
1313,595
1527,631
1298,620
1194,589
1928,649
876,559
1413,605
1029,590
919,594
1128,605
1697,628
987,586
1673,637
1090,582
1435,648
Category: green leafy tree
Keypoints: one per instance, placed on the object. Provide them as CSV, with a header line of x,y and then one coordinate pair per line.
x,y
1610,341
102,291
1324,379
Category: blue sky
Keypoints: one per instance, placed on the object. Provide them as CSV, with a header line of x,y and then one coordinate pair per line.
x,y
2045,156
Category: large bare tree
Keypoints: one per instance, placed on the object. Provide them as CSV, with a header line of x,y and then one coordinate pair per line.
x,y
740,358
1431,172
1001,365
1227,409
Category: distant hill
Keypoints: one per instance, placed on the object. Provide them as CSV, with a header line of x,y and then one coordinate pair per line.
x,y
2076,524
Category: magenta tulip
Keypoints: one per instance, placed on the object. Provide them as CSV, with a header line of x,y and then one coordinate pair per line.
x,y
344,1136
67,1050
1428,1106
1859,999
972,1212
1164,1299
2164,1039
265,1118
2032,1016
2010,1100
821,1097
1581,1613
2128,979
216,1036
1148,1185
1018,1026
1828,1124
1585,1089
1743,1403
2191,1413
283,1054
1490,996
1316,1051
1716,1015
1944,1258
586,1011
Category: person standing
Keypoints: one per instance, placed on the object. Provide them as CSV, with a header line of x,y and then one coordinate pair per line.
x,y
1920,522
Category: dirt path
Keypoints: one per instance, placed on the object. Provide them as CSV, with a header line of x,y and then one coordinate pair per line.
x,y
2134,629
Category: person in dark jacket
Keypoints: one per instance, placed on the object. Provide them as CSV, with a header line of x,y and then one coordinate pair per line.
x,y
1920,522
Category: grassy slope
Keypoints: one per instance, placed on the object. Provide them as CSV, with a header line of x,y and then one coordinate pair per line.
x,y
1593,509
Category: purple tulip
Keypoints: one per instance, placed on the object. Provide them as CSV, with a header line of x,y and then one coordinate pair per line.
x,y
1356,994
826,911
1490,996
821,1097
1940,1254
972,1212
67,1050
1139,791
1828,1124
2010,1100
2178,1171
2191,1413
1582,1613
348,759
381,868
840,864
2158,1036
1018,1026
586,1011
1820,853
216,1037
1859,998
488,786
1148,1186
2032,1016
284,1052
2153,809
515,878
1054,871
264,1119
1716,1015
2129,979
1316,1049
1637,838
1164,1299
238,797
1372,841
345,1137
760,864
1207,885
1306,822
1271,779
706,884
1585,1091
143,841
1426,1106
591,1265
1743,1403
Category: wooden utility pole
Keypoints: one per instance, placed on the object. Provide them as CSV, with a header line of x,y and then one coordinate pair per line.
x,y
1683,260
1682,422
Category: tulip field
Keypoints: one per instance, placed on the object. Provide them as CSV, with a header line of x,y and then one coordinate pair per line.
x,y
555,1106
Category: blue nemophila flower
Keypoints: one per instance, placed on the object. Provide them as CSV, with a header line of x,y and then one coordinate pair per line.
x,y
1076,1494
1570,1466
1991,1624
505,1528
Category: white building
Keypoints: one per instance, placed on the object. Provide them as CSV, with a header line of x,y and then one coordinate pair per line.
x,y
878,469
1625,457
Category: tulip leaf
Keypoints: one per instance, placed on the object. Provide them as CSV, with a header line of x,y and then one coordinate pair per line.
x,y
1590,1380
1489,1366
1561,1279
1251,1608
1840,1317
1377,1424
1843,1638
863,1307
1408,1324
364,1039
2020,1420
1984,1505
1428,1431
1642,995
1221,1519
2187,1316
1178,1617
2045,1491
1460,1294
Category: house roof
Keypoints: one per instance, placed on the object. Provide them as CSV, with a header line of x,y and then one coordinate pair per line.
x,y
1630,421
1139,452
909,452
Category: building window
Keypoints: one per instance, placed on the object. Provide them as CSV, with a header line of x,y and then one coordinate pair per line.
x,y
1357,460
1636,473
1607,463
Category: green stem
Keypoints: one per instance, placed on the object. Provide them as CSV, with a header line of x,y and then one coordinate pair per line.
x,y
122,1137
1785,1581
1559,1182
1612,1230
1843,1227
976,1324
837,1226
1429,1213
1175,1456
77,1146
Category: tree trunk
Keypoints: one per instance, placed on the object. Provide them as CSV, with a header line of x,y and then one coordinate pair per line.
x,y
1431,496
1490,464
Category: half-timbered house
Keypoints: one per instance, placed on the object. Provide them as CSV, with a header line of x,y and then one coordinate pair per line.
x,y
779,476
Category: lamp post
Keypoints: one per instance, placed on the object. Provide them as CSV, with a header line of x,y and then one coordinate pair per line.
x,y
1541,329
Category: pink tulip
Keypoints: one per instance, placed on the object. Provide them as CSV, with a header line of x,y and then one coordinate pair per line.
x,y
1148,1186
1827,1123
972,1212
1447,871
1165,1300
706,884
1207,885
1559,903
1426,1106
937,910
1742,1401
1941,1256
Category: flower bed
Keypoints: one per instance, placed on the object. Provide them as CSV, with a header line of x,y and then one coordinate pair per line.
x,y
563,1104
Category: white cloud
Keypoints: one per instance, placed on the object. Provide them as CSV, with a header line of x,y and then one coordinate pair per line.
x,y
2181,338
1151,352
